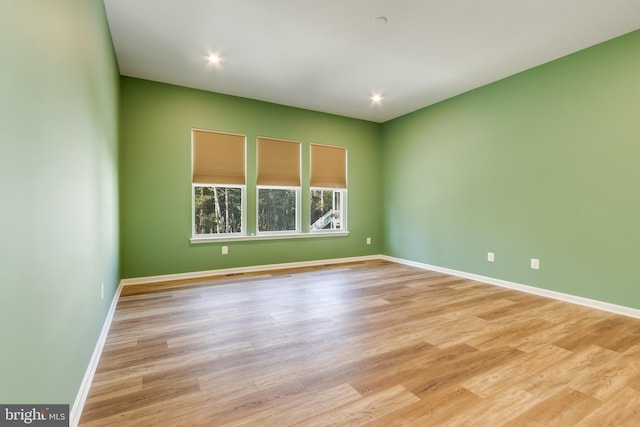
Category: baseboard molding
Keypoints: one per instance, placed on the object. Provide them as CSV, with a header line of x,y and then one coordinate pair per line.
x,y
76,410
83,392
81,397
240,270
598,305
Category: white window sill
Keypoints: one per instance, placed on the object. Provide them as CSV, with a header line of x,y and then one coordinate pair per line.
x,y
196,240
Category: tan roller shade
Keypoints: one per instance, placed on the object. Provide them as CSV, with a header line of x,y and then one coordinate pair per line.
x,y
328,166
218,158
278,162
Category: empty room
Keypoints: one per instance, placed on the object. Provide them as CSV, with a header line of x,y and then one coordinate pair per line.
x,y
232,212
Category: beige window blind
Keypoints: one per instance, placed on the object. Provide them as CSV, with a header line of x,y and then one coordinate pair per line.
x,y
278,162
218,158
328,166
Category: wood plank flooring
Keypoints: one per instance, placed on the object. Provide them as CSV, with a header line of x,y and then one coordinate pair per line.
x,y
373,343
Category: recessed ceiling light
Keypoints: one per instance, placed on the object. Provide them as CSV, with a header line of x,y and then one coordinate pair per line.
x,y
214,58
376,98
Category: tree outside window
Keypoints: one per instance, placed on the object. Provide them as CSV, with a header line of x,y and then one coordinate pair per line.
x,y
277,209
217,209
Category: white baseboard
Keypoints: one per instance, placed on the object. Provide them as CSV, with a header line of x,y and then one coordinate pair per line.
x,y
81,397
76,410
599,305
83,392
239,270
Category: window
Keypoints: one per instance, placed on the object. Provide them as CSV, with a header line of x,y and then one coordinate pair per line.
x,y
328,188
277,209
217,209
278,186
219,189
326,209
218,184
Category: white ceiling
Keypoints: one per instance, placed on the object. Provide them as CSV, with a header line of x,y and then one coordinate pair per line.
x,y
330,56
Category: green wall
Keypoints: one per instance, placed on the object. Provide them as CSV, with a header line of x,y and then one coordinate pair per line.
x,y
58,186
544,164
155,178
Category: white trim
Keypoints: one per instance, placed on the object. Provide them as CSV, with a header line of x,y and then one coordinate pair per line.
x,y
239,270
243,211
343,209
298,192
76,410
83,392
573,299
266,236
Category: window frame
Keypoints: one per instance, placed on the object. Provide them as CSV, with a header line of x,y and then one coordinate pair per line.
x,y
215,236
298,192
343,211
218,180
251,190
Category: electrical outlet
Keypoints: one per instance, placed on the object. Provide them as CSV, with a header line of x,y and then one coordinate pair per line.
x,y
225,250
368,240
535,264
102,291
491,257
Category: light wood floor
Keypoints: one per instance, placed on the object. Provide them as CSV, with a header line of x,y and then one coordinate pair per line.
x,y
373,343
